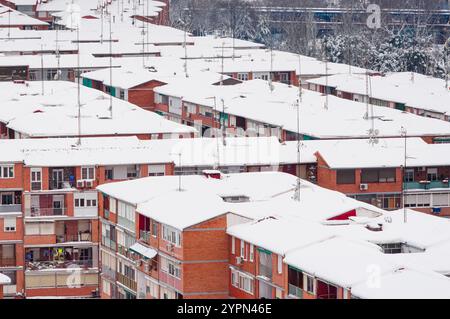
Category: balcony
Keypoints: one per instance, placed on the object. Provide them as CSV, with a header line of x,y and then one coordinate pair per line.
x,y
7,262
144,235
126,223
56,264
108,242
74,237
295,291
131,284
425,185
43,212
57,184
108,273
10,208
265,271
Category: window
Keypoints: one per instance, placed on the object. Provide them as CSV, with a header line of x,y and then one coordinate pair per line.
x,y
36,179
85,200
112,205
242,281
441,200
170,267
280,264
106,287
284,78
309,284
156,170
122,94
242,76
152,289
88,173
7,171
233,245
252,253
172,235
385,175
409,175
432,174
243,249
154,229
7,199
345,176
9,224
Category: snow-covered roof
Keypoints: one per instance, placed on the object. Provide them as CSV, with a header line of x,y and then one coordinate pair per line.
x,y
279,235
170,208
340,261
11,17
342,119
414,90
55,114
405,284
347,154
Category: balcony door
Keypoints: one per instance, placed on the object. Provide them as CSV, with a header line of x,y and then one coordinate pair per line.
x,y
58,204
57,178
36,179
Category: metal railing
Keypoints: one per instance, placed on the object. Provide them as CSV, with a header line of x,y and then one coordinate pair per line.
x,y
109,272
295,291
74,237
55,184
126,281
53,264
37,212
144,235
426,185
125,223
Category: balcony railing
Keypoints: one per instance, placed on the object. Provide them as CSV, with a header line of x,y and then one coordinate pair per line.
x,y
107,242
265,271
10,208
125,223
47,264
108,272
39,212
126,281
144,235
7,262
73,237
426,185
295,291
55,184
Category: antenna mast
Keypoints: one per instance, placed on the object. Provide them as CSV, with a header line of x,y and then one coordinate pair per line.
x,y
78,83
405,214
299,100
110,66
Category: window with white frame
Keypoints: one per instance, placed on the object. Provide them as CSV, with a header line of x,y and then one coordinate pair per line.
x,y
242,249
106,285
252,253
242,76
280,264
7,171
309,284
9,224
112,205
172,235
432,174
170,267
85,200
441,200
156,170
41,228
36,179
88,173
233,245
126,211
242,281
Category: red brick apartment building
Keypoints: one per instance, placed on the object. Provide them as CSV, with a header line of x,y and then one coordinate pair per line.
x,y
49,226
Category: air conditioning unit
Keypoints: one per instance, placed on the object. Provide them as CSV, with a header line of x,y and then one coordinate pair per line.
x,y
239,260
169,247
364,187
89,184
80,184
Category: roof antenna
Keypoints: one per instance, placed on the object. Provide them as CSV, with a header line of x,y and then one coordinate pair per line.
x,y
325,57
222,58
78,83
110,66
404,134
185,50
180,173
58,56
101,20
42,69
271,87
143,33
299,143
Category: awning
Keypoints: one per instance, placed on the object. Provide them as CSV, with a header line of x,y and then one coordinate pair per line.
x,y
144,251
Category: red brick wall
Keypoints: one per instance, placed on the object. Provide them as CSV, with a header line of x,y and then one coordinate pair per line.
x,y
143,95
